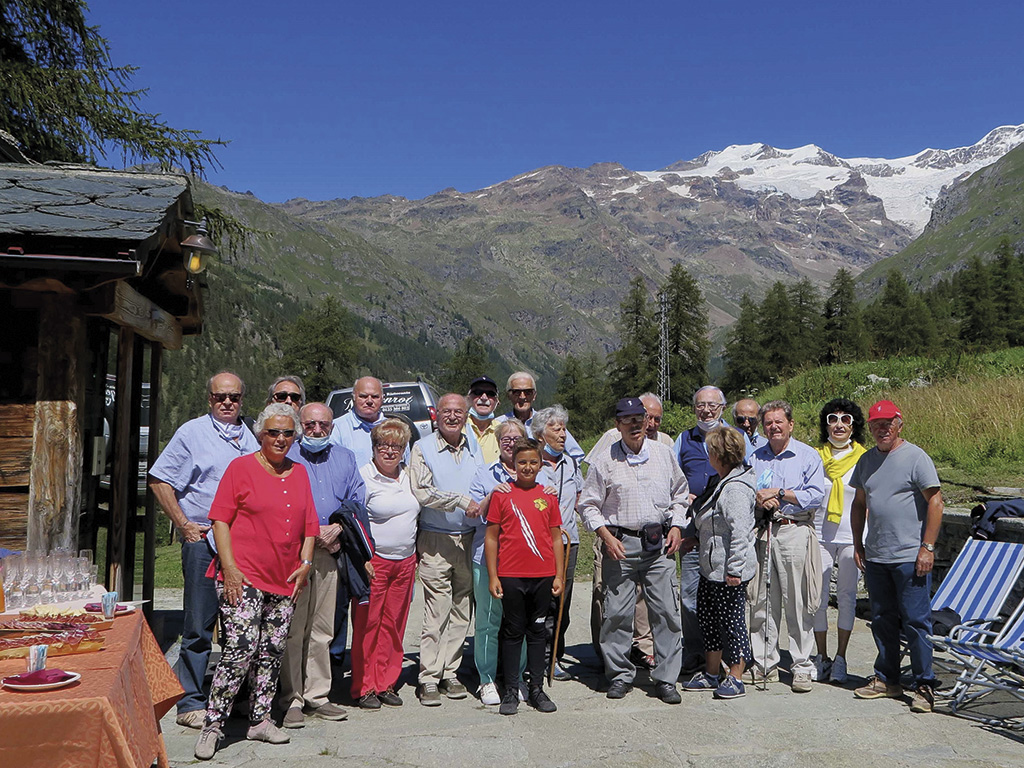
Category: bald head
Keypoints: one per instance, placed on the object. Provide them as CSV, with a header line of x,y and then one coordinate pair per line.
x,y
367,398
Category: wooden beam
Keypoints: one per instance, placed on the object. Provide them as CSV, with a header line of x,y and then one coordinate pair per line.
x,y
13,519
149,545
56,473
122,495
16,419
15,461
123,305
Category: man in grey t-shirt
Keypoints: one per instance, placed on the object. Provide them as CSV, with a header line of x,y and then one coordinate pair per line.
x,y
898,490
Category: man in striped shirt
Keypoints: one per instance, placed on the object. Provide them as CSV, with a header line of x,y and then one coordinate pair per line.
x,y
635,498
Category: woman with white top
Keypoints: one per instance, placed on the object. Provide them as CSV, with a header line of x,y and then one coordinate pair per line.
x,y
378,628
842,443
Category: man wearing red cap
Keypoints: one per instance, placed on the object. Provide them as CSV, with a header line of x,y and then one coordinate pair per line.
x,y
898,488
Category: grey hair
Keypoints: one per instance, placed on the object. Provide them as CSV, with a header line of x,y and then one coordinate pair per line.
x,y
542,418
775,405
277,409
209,382
503,427
521,375
292,379
651,396
721,394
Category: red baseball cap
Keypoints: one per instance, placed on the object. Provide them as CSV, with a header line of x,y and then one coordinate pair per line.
x,y
884,409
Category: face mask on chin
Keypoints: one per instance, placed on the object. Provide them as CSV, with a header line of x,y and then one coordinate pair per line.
x,y
315,444
551,451
705,426
837,444
478,417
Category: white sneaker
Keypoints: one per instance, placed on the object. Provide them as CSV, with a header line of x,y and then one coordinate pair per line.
x,y
822,665
838,670
489,695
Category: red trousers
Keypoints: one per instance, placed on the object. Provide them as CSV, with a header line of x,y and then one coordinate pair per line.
x,y
378,627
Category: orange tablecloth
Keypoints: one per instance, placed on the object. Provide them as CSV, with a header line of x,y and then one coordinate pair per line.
x,y
111,717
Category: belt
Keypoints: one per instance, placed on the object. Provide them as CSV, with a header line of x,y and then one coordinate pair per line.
x,y
618,532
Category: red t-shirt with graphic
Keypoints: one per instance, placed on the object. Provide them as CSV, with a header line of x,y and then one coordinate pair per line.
x,y
525,520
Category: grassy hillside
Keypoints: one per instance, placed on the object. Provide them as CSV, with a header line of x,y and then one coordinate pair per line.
x,y
964,410
968,219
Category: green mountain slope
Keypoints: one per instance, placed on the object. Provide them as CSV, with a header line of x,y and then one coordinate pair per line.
x,y
969,218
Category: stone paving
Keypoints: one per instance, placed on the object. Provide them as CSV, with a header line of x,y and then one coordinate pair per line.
x,y
826,727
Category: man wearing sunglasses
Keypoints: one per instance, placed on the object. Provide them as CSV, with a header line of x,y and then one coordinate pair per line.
x,y
334,479
184,480
481,425
522,391
744,416
287,389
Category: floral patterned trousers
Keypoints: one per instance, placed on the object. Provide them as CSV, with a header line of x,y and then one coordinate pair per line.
x,y
255,634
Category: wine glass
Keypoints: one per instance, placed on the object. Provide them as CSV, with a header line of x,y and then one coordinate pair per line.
x,y
30,579
13,592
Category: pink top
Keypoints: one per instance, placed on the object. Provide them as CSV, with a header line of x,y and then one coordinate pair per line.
x,y
269,518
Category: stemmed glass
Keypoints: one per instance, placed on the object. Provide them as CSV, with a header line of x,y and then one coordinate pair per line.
x,y
30,579
13,592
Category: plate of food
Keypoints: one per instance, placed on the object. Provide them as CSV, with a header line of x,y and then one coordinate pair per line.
x,y
122,609
61,643
43,680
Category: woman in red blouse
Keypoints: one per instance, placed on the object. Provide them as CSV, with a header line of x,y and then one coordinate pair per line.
x,y
264,524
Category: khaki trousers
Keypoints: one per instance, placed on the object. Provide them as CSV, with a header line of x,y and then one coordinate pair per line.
x,y
789,559
446,573
643,638
306,668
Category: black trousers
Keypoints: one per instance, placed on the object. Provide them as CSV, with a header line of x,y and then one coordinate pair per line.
x,y
524,606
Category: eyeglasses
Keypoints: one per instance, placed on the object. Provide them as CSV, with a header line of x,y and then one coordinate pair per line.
x,y
708,406
276,433
746,419
324,425
280,397
836,418
632,420
220,397
521,392
509,440
484,393
388,449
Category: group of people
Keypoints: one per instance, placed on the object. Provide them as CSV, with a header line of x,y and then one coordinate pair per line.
x,y
302,522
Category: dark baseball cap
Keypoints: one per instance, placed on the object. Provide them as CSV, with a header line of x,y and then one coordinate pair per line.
x,y
483,382
629,406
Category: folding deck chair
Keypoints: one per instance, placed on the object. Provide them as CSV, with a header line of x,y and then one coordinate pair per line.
x,y
989,662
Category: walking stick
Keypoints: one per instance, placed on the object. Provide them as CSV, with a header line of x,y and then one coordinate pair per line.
x,y
767,600
566,545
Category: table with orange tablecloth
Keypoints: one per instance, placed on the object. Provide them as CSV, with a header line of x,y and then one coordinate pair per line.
x,y
111,717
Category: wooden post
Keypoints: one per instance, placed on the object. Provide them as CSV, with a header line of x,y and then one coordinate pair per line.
x,y
131,518
122,496
56,473
149,553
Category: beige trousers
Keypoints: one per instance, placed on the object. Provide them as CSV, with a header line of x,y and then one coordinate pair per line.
x,y
446,573
306,667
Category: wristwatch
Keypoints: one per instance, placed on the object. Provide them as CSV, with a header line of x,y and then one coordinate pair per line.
x,y
929,547
307,562
782,495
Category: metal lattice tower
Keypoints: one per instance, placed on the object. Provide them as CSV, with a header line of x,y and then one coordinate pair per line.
x,y
664,379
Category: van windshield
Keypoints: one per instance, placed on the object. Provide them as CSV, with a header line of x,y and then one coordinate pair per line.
x,y
407,401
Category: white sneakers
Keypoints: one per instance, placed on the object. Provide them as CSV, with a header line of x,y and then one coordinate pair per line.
x,y
838,670
822,667
489,695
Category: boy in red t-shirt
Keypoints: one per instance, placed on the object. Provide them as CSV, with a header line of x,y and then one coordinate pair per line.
x,y
524,564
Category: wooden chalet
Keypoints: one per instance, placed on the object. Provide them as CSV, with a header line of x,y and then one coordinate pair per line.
x,y
93,289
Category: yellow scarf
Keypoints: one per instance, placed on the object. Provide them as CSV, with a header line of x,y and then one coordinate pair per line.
x,y
835,469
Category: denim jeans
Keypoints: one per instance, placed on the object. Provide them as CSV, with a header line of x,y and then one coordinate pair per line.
x,y
900,598
693,639
200,604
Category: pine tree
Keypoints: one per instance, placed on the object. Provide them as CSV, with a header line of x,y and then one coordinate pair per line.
x,y
845,337
779,332
900,321
805,303
745,361
320,347
63,99
583,391
977,308
468,361
633,367
1008,290
689,346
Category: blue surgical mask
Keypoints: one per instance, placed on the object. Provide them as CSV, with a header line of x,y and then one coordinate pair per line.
x,y
315,444
475,415
551,451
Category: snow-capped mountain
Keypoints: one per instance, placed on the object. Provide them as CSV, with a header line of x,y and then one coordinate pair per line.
x,y
907,186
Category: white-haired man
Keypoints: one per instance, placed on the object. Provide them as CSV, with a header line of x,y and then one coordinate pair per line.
x,y
522,391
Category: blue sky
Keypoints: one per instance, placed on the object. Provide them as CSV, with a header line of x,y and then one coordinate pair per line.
x,y
328,99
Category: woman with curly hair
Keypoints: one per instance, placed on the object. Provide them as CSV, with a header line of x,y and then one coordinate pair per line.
x,y
841,424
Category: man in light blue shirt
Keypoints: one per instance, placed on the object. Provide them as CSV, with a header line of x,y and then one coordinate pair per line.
x,y
745,417
353,429
184,481
790,487
306,668
522,391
